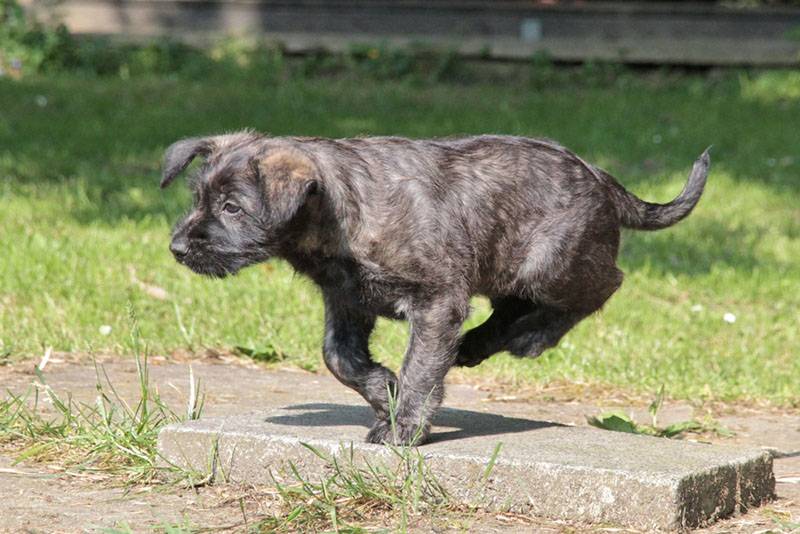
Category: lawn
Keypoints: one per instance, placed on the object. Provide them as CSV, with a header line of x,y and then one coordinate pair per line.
x,y
84,227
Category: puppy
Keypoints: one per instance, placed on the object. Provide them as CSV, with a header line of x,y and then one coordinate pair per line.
x,y
411,229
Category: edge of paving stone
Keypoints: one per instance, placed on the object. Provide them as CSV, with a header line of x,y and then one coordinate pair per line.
x,y
691,506
333,446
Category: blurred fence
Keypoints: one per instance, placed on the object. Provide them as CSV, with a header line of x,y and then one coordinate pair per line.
x,y
685,33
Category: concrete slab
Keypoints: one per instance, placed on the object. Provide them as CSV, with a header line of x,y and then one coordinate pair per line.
x,y
543,468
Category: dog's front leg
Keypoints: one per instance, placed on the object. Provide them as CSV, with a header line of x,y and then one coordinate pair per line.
x,y
346,351
431,352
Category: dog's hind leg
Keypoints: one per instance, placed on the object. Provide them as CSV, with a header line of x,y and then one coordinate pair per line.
x,y
346,351
528,328
523,329
533,334
491,336
580,296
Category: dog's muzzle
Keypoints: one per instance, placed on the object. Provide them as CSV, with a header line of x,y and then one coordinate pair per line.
x,y
179,247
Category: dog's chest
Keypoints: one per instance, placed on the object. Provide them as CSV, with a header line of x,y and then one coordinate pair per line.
x,y
384,294
381,291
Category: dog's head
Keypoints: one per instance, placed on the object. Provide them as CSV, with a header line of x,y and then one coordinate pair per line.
x,y
245,194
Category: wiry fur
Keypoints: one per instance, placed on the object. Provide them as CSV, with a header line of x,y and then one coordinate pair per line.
x,y
411,229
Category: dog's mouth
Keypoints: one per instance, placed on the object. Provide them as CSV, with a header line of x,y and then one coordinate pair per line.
x,y
215,264
214,268
212,272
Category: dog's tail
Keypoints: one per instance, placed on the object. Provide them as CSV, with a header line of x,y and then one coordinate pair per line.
x,y
640,215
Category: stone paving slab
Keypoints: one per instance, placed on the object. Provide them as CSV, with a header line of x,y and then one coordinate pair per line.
x,y
543,468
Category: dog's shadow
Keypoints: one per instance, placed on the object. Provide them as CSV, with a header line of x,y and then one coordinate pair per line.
x,y
467,423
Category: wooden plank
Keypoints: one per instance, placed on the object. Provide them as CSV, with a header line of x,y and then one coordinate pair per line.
x,y
628,32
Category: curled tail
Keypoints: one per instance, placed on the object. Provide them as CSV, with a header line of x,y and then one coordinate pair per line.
x,y
640,215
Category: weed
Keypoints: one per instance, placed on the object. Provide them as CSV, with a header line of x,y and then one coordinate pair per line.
x,y
320,63
543,72
358,491
125,527
266,353
111,436
771,86
382,62
619,422
784,520
25,45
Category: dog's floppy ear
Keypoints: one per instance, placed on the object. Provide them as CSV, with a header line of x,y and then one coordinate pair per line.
x,y
180,154
289,177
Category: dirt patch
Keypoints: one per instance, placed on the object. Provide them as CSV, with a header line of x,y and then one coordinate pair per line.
x,y
39,499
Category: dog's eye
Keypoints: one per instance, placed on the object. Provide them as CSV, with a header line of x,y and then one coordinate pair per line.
x,y
231,208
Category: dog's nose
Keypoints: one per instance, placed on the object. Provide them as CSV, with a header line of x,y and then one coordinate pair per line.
x,y
179,248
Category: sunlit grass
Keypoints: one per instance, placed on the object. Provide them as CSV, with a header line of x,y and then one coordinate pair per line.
x,y
84,227
113,436
398,489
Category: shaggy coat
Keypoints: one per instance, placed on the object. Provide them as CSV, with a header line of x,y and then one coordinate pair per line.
x,y
411,229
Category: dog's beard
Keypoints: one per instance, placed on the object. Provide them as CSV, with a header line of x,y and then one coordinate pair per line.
x,y
213,270
221,264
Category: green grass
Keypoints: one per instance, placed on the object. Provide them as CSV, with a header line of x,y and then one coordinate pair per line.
x,y
175,528
400,490
84,227
358,492
112,436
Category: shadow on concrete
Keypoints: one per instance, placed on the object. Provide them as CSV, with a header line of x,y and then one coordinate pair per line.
x,y
466,423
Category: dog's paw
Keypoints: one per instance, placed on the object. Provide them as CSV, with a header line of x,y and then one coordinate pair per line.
x,y
467,360
401,434
379,432
471,352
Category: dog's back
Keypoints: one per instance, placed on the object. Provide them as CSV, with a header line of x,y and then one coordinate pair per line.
x,y
503,213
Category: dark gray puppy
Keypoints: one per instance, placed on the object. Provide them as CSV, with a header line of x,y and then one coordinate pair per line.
x,y
411,229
